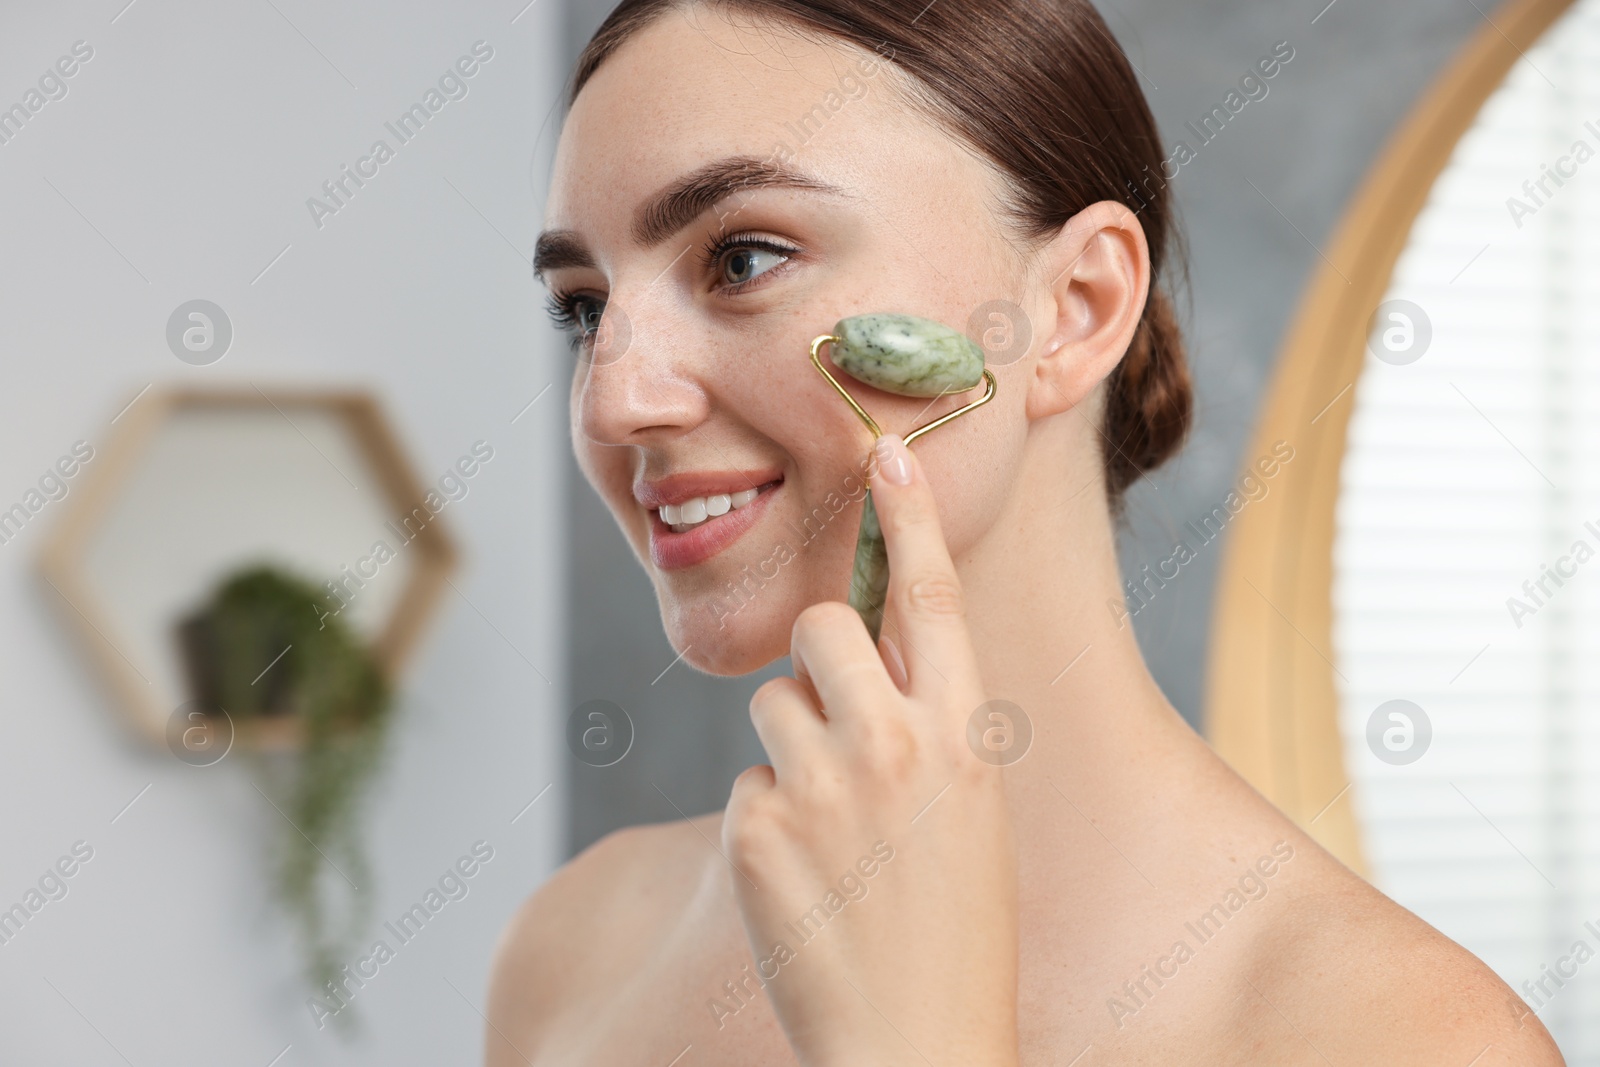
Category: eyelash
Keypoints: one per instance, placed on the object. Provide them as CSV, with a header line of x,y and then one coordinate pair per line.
x,y
562,307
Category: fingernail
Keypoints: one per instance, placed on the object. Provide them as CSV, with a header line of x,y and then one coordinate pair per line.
x,y
894,662
893,459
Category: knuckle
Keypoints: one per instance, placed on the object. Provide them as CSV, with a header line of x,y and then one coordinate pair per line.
x,y
749,823
821,618
743,840
865,677
888,749
968,768
934,595
761,701
829,791
747,794
822,798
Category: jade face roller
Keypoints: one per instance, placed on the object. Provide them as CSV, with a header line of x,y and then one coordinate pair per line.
x,y
907,356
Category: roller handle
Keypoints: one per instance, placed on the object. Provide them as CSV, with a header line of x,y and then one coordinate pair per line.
x,y
869,576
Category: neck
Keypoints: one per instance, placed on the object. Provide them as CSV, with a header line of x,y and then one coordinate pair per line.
x,y
1052,638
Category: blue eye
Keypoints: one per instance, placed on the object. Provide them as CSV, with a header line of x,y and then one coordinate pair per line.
x,y
744,264
738,259
575,314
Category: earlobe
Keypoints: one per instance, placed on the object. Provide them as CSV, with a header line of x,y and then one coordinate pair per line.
x,y
1095,275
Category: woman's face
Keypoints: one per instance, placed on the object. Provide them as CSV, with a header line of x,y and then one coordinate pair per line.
x,y
667,212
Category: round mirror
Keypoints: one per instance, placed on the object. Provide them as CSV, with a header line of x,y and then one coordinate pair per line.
x,y
1466,561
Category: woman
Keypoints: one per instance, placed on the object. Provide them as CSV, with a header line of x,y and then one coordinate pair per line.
x,y
732,179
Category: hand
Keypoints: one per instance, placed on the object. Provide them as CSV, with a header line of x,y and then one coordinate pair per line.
x,y
877,876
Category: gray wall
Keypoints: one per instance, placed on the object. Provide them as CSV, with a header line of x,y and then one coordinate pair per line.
x,y
1356,71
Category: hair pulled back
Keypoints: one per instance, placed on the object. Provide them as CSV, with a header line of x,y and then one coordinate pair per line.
x,y
1042,90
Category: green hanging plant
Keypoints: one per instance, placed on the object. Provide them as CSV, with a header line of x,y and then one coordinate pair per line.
x,y
269,645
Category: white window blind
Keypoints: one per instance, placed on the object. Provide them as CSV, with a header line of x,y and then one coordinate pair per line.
x,y
1470,471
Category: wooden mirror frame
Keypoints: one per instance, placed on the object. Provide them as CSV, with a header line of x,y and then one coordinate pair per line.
x,y
61,560
1272,710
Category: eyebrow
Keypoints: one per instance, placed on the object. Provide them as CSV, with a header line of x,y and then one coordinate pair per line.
x,y
678,204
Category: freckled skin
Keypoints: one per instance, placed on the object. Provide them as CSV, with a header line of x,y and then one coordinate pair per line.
x,y
1126,826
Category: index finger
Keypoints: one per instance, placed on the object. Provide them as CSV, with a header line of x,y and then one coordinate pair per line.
x,y
925,609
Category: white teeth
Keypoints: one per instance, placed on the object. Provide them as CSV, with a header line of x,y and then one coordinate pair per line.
x,y
691,513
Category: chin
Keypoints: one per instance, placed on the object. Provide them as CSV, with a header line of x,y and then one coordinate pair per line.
x,y
734,613
715,642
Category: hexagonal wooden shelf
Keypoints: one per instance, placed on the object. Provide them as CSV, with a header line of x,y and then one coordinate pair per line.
x,y
194,484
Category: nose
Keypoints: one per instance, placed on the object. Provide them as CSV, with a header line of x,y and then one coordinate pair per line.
x,y
640,382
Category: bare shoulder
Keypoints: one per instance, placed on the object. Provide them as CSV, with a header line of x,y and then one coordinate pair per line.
x,y
1358,978
589,923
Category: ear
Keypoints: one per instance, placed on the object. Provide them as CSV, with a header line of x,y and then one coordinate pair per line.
x,y
1095,275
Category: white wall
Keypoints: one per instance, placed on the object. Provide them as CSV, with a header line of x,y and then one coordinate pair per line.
x,y
187,147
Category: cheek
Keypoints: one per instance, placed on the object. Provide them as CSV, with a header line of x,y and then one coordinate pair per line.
x,y
960,491
972,469
609,473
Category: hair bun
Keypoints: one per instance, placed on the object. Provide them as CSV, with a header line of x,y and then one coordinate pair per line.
x,y
1149,398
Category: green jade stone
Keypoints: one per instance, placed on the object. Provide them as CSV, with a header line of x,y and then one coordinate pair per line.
x,y
869,576
907,356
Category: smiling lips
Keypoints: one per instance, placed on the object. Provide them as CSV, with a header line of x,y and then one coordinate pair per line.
x,y
695,516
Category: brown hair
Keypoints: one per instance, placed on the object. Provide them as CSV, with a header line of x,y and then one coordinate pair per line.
x,y
1042,90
